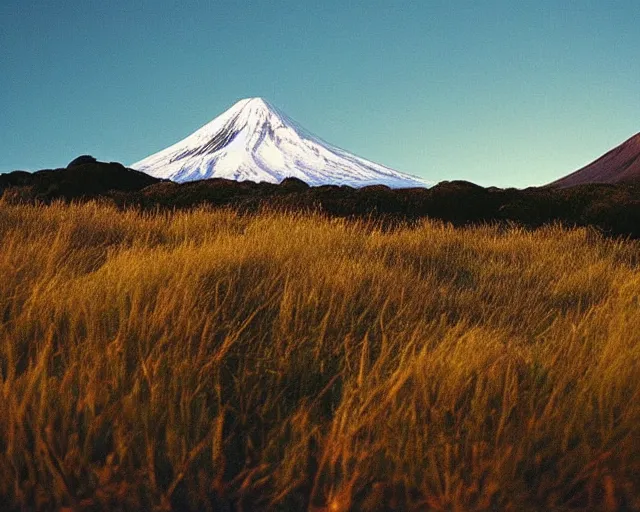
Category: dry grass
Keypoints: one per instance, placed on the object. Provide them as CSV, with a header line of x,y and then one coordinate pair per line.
x,y
204,358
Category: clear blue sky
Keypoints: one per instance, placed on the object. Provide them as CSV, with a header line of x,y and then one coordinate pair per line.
x,y
507,93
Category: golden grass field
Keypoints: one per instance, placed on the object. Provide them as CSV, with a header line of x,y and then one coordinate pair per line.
x,y
209,360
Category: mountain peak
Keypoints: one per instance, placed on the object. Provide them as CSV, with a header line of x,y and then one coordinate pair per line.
x,y
255,141
252,103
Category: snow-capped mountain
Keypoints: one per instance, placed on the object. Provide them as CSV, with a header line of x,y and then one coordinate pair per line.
x,y
255,141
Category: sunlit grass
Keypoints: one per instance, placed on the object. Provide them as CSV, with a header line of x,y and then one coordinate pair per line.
x,y
198,358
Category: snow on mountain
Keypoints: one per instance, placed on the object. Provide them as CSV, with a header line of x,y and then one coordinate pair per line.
x,y
255,141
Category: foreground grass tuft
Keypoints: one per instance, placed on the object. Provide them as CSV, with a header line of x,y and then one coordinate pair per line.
x,y
201,359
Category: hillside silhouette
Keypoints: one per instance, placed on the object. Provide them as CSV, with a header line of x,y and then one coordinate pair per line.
x,y
611,208
83,178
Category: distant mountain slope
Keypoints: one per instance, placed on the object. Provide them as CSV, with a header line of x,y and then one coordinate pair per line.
x,y
621,164
255,141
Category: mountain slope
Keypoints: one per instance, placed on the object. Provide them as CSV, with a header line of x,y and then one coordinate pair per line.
x,y
255,141
621,164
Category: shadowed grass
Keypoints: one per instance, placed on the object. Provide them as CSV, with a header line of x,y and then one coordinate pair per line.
x,y
203,358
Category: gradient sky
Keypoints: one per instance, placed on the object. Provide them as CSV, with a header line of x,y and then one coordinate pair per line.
x,y
500,93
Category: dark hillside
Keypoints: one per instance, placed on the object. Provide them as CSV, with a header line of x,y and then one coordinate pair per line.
x,y
83,178
612,208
